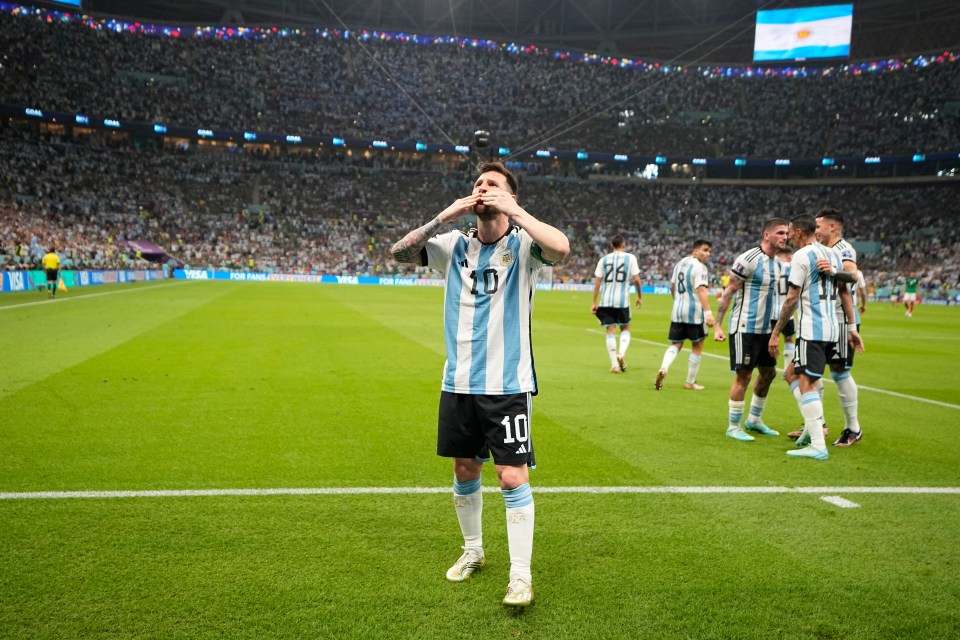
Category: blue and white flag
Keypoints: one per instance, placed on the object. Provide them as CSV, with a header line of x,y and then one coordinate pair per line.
x,y
801,34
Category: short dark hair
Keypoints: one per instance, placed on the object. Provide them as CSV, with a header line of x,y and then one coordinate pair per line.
x,y
501,169
787,249
831,214
617,241
804,223
770,223
699,242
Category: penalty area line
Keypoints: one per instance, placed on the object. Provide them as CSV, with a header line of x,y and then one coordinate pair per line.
x,y
341,491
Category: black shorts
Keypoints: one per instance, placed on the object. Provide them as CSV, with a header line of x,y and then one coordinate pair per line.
x,y
476,426
613,316
52,275
789,329
750,350
680,331
844,350
812,356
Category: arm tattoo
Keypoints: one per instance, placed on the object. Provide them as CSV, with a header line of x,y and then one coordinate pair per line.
x,y
724,305
786,312
408,249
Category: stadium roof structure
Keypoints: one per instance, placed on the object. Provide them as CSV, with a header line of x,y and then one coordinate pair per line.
x,y
718,31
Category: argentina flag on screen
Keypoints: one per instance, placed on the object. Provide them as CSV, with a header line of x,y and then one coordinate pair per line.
x,y
802,34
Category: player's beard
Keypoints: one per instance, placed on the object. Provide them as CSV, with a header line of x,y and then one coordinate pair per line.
x,y
485,212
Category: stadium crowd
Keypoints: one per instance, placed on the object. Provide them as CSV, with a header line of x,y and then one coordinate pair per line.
x,y
307,84
274,208
213,207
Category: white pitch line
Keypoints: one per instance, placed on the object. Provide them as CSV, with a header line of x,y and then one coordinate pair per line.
x,y
938,403
93,295
339,491
843,503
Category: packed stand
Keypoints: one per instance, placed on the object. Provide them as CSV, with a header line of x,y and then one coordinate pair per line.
x,y
295,213
311,85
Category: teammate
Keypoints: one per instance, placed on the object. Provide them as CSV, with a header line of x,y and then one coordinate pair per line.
x,y
611,286
691,308
814,292
488,377
51,266
789,330
829,233
910,293
754,279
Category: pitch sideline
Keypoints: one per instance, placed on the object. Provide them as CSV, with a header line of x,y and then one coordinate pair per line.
x,y
87,296
340,491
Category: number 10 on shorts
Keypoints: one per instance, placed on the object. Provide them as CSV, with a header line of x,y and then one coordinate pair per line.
x,y
515,427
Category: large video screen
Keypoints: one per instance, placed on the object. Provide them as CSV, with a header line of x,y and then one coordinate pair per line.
x,y
803,34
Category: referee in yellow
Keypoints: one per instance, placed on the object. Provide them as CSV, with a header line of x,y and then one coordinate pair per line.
x,y
51,264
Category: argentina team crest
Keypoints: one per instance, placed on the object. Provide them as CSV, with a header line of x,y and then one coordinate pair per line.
x,y
506,258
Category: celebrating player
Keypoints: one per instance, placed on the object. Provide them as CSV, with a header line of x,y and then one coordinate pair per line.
x,y
691,308
611,285
755,276
488,377
814,292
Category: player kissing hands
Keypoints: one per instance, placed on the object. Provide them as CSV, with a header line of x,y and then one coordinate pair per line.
x,y
500,200
459,208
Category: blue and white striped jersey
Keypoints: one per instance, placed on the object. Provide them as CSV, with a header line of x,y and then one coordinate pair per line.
x,y
847,252
818,293
616,272
757,305
488,304
688,275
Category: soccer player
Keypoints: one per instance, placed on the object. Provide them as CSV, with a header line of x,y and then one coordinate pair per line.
x,y
910,293
814,292
611,286
51,266
691,308
488,377
754,278
829,233
789,330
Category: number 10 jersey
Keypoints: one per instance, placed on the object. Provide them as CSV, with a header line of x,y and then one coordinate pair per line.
x,y
488,304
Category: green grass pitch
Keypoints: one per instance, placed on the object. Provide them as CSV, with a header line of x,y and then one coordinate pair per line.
x,y
219,386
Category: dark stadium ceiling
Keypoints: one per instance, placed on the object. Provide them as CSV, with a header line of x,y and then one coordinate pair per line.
x,y
684,30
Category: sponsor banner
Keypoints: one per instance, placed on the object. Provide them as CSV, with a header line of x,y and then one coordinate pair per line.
x,y
13,281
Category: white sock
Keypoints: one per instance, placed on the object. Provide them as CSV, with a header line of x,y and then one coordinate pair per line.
x,y
847,390
788,351
468,501
693,366
812,410
668,357
624,341
612,349
756,409
520,515
736,414
795,389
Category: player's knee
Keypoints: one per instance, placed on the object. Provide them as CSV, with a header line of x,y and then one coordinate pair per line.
x,y
465,469
511,477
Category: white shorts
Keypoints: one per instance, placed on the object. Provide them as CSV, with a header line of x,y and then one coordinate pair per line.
x,y
909,297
